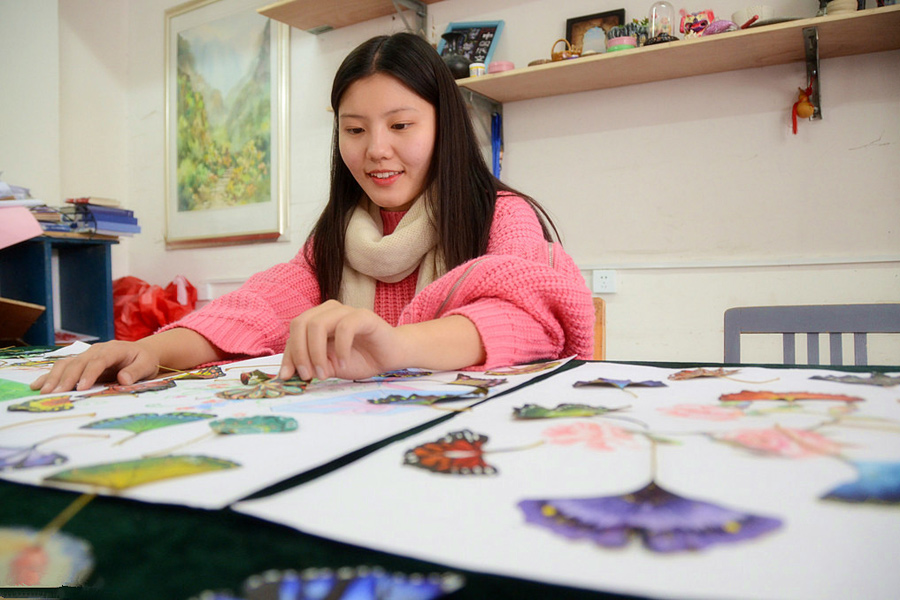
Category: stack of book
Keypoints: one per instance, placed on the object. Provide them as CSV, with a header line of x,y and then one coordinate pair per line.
x,y
98,216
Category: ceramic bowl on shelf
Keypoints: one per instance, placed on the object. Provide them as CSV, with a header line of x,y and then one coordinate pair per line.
x,y
621,43
498,66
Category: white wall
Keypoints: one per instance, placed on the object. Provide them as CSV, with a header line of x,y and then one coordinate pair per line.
x,y
698,194
29,96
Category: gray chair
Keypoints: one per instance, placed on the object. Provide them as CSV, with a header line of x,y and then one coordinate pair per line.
x,y
833,319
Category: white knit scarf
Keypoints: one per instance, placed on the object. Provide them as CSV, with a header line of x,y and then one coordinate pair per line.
x,y
371,255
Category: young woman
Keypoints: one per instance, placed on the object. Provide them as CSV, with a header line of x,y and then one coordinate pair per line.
x,y
421,258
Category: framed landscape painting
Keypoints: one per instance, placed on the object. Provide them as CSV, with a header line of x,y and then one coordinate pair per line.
x,y
226,124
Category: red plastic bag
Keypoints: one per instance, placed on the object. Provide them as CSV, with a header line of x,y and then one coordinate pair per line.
x,y
139,308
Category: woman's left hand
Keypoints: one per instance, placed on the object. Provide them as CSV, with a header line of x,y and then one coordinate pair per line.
x,y
336,340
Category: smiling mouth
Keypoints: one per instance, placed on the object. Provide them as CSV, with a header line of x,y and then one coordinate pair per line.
x,y
383,175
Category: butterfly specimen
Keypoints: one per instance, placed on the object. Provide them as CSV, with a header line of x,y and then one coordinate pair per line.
x,y
27,457
47,404
457,453
619,383
347,583
116,389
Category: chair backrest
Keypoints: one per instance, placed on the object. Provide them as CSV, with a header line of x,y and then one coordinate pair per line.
x,y
599,329
833,319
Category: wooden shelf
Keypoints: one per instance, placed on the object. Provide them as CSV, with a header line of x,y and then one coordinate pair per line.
x,y
861,32
321,15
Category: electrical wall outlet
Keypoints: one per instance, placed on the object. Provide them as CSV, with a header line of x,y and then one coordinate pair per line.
x,y
603,281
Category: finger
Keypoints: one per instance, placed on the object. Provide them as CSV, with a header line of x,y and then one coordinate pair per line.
x,y
39,382
317,333
63,376
295,353
345,334
287,369
142,366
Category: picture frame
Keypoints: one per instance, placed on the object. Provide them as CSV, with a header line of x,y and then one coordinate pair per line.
x,y
578,26
481,39
226,119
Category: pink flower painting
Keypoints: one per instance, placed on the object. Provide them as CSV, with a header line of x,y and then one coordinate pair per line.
x,y
782,442
596,436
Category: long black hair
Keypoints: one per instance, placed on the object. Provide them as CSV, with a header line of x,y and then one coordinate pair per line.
x,y
460,189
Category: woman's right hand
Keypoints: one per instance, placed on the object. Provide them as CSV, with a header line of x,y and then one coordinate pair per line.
x,y
129,362
123,362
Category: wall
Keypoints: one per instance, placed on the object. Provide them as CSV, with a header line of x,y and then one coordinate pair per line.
x,y
700,196
29,102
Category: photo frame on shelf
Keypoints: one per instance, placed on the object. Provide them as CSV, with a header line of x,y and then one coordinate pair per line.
x,y
578,26
226,141
481,38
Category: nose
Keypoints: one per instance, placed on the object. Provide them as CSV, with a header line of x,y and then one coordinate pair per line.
x,y
379,146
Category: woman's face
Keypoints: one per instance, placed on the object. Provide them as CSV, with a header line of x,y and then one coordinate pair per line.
x,y
386,135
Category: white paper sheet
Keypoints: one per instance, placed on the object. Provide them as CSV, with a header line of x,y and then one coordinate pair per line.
x,y
334,419
825,549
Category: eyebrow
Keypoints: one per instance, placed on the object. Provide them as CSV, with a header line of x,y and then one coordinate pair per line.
x,y
388,113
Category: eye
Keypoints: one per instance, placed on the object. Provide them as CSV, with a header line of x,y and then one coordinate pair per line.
x,y
353,130
401,126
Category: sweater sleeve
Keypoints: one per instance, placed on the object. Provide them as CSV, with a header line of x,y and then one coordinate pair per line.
x,y
254,320
526,296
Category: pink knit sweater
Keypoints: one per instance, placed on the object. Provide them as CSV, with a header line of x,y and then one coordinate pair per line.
x,y
525,296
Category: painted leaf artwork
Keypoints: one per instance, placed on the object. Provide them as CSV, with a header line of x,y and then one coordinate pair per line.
x,y
258,424
10,390
28,457
46,404
399,374
38,363
135,388
423,399
618,383
23,352
877,482
661,520
525,369
457,453
130,473
142,422
536,411
878,379
751,396
702,372
347,583
482,383
260,385
212,372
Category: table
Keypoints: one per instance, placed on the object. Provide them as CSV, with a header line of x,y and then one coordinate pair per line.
x,y
170,552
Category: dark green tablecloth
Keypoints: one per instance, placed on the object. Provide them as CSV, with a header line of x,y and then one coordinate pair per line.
x,y
160,552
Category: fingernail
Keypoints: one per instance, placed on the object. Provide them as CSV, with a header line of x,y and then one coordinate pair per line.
x,y
320,372
304,373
